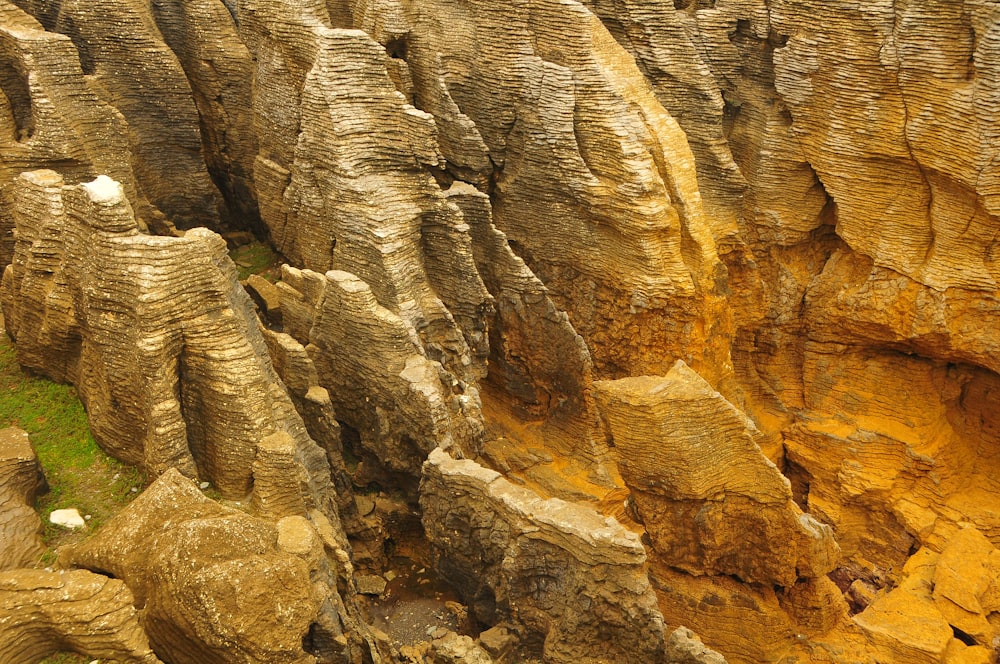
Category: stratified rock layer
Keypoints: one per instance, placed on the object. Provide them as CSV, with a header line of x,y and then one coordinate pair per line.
x,y
197,570
711,502
155,332
42,613
20,481
568,576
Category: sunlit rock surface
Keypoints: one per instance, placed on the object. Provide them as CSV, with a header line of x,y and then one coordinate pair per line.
x,y
485,208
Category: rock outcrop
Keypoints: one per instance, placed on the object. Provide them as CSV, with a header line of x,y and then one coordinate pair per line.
x,y
21,480
409,404
487,207
570,578
52,116
710,500
43,612
155,332
944,609
197,570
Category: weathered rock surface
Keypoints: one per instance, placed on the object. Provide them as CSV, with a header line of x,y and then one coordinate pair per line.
x,y
474,171
408,405
569,577
155,332
197,570
21,480
710,500
51,116
684,647
625,247
44,612
123,50
939,612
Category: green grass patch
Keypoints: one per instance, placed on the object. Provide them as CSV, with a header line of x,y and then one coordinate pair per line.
x,y
78,472
65,658
257,258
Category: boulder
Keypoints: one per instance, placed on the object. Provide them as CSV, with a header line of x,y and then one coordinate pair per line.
x,y
218,585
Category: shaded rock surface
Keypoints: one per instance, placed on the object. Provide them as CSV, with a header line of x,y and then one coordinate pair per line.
x,y
570,578
21,480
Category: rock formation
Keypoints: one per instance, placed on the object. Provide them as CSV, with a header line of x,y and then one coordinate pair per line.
x,y
197,570
44,612
562,573
21,480
167,382
710,500
504,225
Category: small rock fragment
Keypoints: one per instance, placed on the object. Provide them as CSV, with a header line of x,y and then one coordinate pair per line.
x,y
68,518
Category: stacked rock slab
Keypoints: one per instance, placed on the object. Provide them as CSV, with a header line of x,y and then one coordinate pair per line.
x,y
44,612
20,481
51,116
156,334
122,48
579,140
710,500
407,406
345,180
197,570
567,576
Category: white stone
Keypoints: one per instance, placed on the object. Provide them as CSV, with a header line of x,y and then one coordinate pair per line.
x,y
68,518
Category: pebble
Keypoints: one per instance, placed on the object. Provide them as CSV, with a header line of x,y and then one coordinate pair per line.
x,y
134,490
204,485
68,518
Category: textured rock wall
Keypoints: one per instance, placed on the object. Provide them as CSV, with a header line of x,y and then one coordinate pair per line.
x,y
710,500
557,570
45,612
499,203
21,480
155,332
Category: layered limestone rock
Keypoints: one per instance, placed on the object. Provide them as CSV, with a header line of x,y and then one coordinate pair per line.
x,y
945,609
408,405
51,116
570,578
578,139
710,500
21,480
197,570
156,334
134,70
43,612
203,36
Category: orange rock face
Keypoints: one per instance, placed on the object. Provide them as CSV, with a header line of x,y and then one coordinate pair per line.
x,y
727,271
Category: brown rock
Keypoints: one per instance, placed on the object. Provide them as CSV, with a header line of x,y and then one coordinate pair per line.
x,y
198,570
684,647
408,406
21,480
579,140
51,116
711,502
180,375
123,50
42,613
559,570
